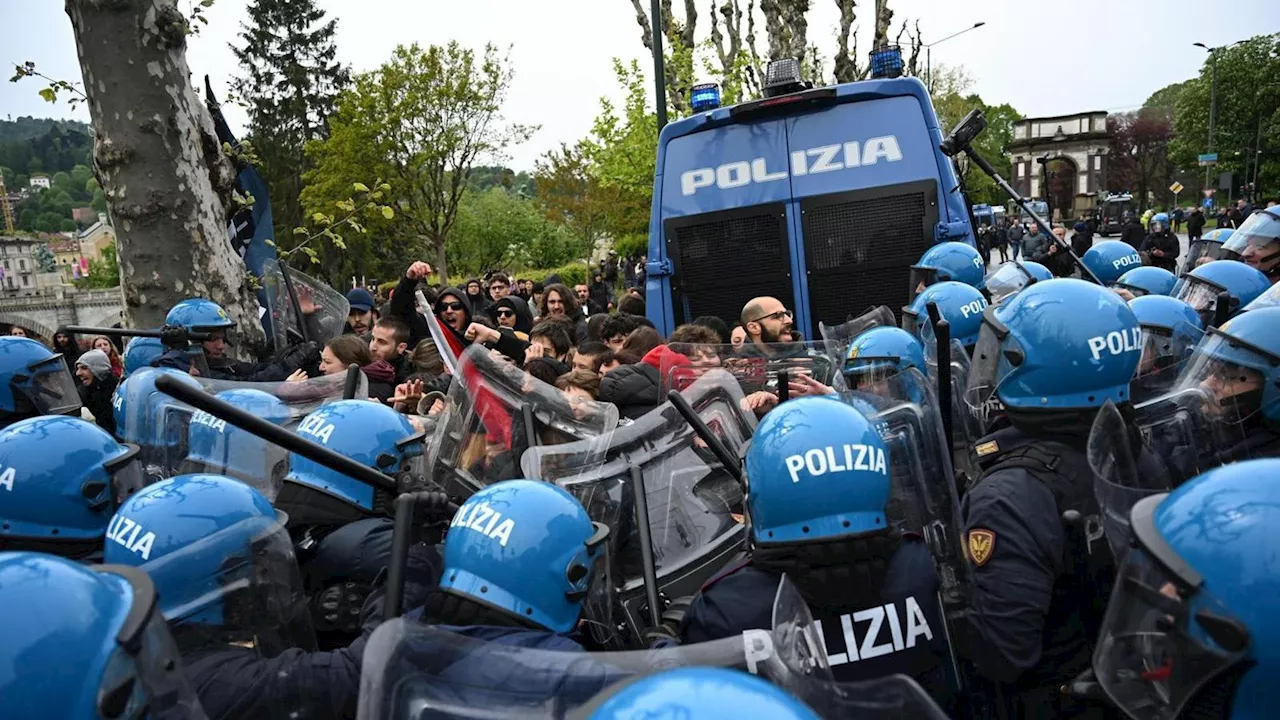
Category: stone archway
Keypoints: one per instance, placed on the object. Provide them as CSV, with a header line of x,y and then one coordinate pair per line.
x,y
1060,186
42,331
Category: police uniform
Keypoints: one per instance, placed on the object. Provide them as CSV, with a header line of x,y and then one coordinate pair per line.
x,y
239,684
852,608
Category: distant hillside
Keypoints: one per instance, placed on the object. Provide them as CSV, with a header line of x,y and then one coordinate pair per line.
x,y
26,128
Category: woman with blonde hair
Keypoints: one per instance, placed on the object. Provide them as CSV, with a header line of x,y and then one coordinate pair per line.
x,y
103,343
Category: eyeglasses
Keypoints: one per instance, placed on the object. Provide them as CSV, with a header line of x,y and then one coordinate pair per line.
x,y
455,306
506,313
497,286
783,313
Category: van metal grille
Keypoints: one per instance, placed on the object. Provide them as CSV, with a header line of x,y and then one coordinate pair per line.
x,y
860,246
725,258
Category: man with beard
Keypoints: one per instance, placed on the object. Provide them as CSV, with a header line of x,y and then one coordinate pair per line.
x,y
389,342
362,315
767,321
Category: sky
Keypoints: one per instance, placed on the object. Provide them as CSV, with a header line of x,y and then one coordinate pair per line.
x,y
1044,58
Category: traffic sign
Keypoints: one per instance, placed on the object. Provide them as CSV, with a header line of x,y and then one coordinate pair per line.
x,y
1208,159
1175,188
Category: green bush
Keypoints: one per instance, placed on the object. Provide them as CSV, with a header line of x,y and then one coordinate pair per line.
x,y
571,274
632,245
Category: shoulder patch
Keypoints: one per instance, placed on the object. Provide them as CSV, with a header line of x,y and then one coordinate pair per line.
x,y
987,448
982,543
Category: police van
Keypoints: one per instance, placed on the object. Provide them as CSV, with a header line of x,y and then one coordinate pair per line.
x,y
820,197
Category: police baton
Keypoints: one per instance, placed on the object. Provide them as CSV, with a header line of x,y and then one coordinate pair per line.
x,y
272,433
959,141
407,507
942,353
191,335
352,382
703,431
648,566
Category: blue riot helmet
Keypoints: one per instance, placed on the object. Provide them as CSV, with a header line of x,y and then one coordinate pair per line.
x,y
140,352
1170,332
198,314
879,353
1201,287
1270,298
214,446
959,304
1147,280
948,261
153,420
1239,364
371,434
1159,222
1110,259
1062,344
1011,277
62,479
798,442
527,549
222,562
1257,242
1191,628
85,642
698,693
35,381
1206,248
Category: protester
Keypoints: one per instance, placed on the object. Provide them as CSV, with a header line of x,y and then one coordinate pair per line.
x,y
97,387
103,343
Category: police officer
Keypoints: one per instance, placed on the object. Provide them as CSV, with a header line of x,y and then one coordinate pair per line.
x,y
1039,580
1257,242
85,642
61,478
1170,332
34,381
1161,245
1202,287
1190,627
213,446
200,315
820,511
1011,277
152,420
1145,280
140,353
880,353
1110,259
697,693
229,585
959,304
948,262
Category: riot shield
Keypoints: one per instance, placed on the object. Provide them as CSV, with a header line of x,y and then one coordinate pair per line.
x,y
237,591
1165,352
1119,481
753,368
302,306
836,338
923,496
155,422
303,397
496,412
695,506
1200,252
415,670
967,425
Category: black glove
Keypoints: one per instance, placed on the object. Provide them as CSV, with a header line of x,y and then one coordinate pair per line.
x,y
660,636
174,337
337,607
301,356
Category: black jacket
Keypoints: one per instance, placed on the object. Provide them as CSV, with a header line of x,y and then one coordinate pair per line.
x,y
509,343
297,357
97,399
1167,243
1195,223
402,306
1133,233
635,389
70,352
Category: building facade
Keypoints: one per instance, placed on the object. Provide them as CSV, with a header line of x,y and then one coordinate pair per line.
x,y
18,266
1071,148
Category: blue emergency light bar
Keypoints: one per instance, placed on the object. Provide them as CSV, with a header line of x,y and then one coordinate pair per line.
x,y
705,96
886,62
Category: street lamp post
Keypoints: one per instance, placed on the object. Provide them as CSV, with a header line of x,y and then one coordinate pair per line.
x,y
1213,95
928,50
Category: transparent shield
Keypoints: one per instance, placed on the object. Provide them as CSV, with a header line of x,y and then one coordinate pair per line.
x,y
216,447
1201,296
497,412
987,370
324,310
1164,355
1153,653
695,505
1006,281
836,338
921,278
302,398
158,425
755,369
1190,431
1269,298
1201,252
967,425
1118,481
49,386
415,670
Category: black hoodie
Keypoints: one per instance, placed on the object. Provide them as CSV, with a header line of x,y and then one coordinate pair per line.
x,y
512,343
478,302
459,336
70,352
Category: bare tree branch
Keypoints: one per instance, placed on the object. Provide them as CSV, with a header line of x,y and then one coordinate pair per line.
x,y
845,66
883,18
646,33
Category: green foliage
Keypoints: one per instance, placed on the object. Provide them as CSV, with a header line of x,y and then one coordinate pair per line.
x,y
421,121
570,274
485,177
290,83
632,246
951,105
1248,107
61,147
496,229
363,204
103,273
72,92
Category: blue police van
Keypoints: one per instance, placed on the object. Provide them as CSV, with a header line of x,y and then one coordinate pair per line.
x,y
820,197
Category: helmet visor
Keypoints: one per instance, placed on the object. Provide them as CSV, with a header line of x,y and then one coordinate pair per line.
x,y
1006,281
127,474
1199,251
1201,296
990,363
1164,353
1163,638
144,677
49,386
1231,375
921,278
1257,240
